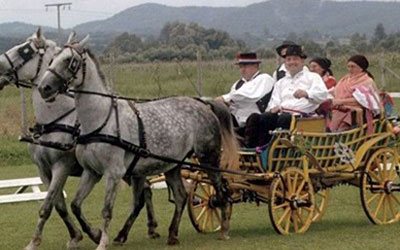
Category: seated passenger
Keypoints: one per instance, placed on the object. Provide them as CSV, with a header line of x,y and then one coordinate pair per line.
x,y
299,92
322,66
355,91
251,93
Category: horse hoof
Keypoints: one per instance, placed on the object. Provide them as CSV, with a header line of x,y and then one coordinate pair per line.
x,y
95,236
119,240
224,237
154,235
33,245
173,241
73,243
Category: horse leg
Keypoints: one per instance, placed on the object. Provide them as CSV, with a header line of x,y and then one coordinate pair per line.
x,y
57,181
138,204
87,182
74,232
112,182
151,219
174,181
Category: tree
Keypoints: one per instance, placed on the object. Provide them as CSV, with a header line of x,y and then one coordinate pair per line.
x,y
379,33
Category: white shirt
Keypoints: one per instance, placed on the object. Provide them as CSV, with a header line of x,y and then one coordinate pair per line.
x,y
283,68
284,89
243,100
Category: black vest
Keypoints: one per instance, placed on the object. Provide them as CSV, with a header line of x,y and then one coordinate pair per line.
x,y
263,102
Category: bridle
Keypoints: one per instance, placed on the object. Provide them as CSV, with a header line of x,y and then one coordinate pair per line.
x,y
26,53
75,64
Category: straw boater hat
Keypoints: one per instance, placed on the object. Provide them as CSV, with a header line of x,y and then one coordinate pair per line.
x,y
247,58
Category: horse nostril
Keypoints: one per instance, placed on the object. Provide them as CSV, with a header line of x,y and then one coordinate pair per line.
x,y
47,89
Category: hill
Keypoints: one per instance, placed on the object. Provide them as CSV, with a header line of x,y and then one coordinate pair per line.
x,y
274,17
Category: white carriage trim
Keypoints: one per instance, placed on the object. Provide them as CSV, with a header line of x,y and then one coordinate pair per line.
x,y
395,94
20,195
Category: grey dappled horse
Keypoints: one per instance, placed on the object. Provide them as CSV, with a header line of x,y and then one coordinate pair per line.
x,y
173,128
25,63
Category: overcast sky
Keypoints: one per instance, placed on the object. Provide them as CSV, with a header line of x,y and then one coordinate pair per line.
x,y
34,12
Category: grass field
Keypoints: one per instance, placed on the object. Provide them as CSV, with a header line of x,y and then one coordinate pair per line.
x,y
344,226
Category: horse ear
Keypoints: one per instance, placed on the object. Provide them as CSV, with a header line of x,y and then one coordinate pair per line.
x,y
39,33
84,41
71,37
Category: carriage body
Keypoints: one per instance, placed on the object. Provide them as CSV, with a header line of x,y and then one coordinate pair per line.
x,y
296,171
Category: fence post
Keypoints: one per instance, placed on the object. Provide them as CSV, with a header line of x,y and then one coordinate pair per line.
x,y
383,70
199,73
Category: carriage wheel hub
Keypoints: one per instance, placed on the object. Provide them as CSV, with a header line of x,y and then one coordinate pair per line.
x,y
388,187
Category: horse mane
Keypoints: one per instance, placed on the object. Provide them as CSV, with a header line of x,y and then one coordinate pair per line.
x,y
97,64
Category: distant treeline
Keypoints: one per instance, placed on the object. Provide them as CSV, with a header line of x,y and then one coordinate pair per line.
x,y
183,41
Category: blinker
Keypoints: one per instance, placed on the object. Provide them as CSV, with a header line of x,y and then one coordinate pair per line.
x,y
74,65
26,52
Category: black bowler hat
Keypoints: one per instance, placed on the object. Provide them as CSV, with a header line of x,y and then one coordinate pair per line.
x,y
295,50
247,58
284,45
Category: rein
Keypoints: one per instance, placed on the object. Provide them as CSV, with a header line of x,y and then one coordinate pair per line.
x,y
96,137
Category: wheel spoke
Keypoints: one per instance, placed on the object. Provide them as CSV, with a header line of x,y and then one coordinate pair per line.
x,y
281,206
384,209
321,195
372,198
378,207
287,226
395,198
303,182
289,184
299,215
295,221
295,181
201,196
204,226
201,213
212,219
391,206
200,205
204,190
374,176
285,213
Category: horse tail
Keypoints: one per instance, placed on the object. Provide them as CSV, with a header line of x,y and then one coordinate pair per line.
x,y
230,145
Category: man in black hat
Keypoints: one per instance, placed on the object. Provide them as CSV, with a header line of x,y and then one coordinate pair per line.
x,y
298,93
280,72
251,93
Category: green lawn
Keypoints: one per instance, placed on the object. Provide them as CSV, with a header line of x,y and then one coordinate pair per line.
x,y
344,226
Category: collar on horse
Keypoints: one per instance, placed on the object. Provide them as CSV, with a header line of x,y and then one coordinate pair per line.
x,y
26,53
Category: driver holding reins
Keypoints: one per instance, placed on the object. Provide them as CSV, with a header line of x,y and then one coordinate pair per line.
x,y
299,92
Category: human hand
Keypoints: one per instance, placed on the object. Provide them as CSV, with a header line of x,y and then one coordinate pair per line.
x,y
276,109
300,94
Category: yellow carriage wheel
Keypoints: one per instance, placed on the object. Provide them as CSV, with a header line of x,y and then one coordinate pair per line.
x,y
204,216
380,187
292,202
321,204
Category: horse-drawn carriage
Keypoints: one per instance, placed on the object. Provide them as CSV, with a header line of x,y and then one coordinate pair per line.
x,y
292,174
295,172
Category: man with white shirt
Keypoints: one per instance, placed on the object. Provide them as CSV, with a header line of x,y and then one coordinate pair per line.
x,y
251,93
299,92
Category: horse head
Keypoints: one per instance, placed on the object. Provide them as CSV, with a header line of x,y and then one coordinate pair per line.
x,y
66,70
23,62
